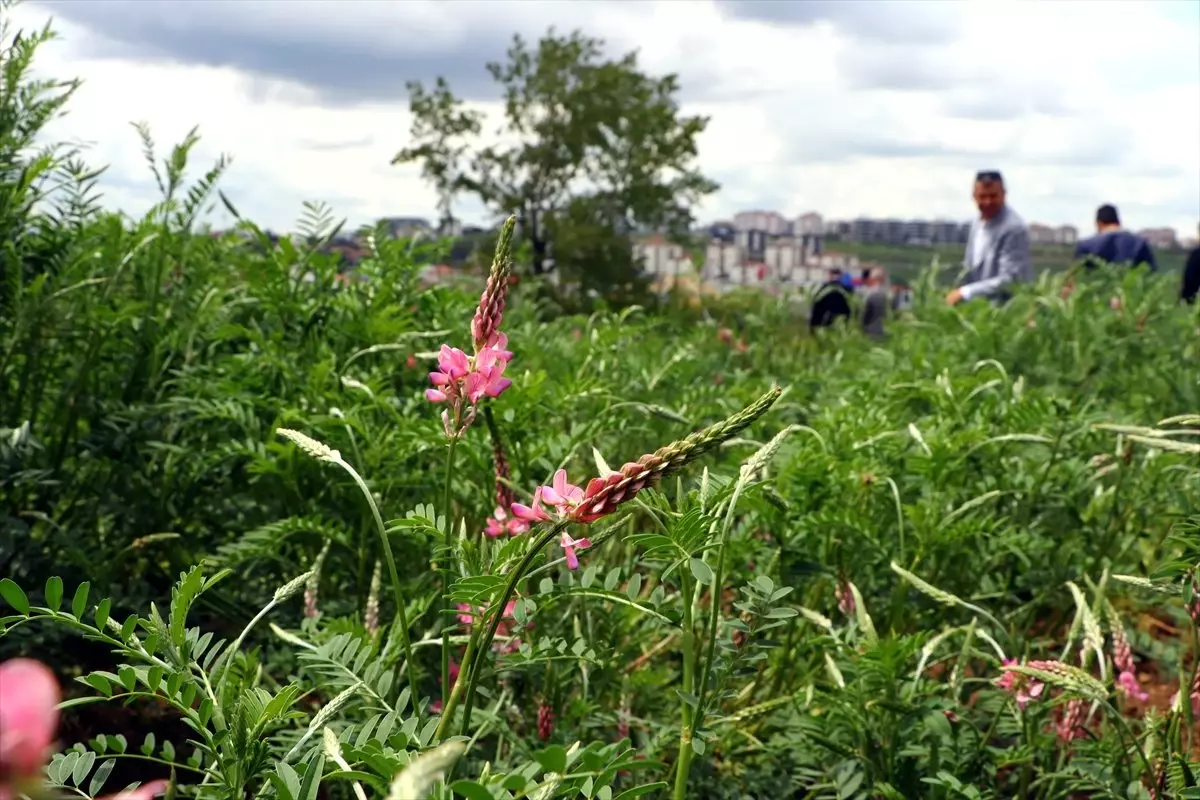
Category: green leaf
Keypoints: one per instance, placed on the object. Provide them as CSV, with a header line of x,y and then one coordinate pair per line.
x,y
99,683
54,592
102,610
83,767
698,746
128,678
102,773
589,576
13,595
639,791
552,759
634,588
79,602
312,778
168,751
546,586
612,579
148,744
287,782
701,571
471,790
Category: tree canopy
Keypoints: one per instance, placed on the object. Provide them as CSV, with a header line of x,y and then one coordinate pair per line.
x,y
589,149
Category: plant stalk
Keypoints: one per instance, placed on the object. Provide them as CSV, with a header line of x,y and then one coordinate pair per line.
x,y
486,643
448,545
410,665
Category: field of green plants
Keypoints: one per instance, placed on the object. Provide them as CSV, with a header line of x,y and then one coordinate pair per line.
x,y
272,534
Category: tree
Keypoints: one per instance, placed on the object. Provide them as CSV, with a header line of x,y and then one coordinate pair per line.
x,y
587,139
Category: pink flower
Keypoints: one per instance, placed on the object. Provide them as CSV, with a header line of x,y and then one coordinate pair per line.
x,y
453,363
29,697
462,381
1127,682
562,495
845,598
569,545
499,524
1023,688
534,513
1069,725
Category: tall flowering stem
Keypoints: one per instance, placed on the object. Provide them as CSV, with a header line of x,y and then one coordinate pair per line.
x,y
601,498
460,383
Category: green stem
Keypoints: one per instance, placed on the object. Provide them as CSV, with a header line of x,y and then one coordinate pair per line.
x,y
684,762
511,588
448,545
227,659
449,704
401,614
714,612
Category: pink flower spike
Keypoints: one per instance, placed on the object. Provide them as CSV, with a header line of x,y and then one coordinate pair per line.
x,y
1127,682
435,396
569,545
29,696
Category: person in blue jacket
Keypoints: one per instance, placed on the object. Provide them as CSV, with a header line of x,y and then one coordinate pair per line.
x,y
1112,244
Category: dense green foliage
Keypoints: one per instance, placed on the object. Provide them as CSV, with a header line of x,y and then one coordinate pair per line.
x,y
819,607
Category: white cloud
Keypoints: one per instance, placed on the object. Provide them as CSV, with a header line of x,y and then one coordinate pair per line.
x,y
1078,104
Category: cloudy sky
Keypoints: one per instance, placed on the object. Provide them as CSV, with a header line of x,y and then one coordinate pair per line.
x,y
847,107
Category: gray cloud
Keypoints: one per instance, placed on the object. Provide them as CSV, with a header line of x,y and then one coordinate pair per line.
x,y
886,21
344,64
345,69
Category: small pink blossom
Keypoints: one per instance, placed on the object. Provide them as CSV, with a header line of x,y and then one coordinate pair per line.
x,y
500,524
532,513
569,546
1023,688
562,495
845,598
462,381
1127,682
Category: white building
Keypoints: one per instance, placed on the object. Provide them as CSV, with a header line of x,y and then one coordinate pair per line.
x,y
770,221
810,224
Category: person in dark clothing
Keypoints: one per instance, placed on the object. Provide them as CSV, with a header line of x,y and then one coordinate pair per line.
x,y
1114,245
875,307
1191,278
832,301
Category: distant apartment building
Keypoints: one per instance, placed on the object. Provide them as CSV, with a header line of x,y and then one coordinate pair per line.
x,y
407,227
662,258
896,232
772,222
1048,234
810,224
1160,238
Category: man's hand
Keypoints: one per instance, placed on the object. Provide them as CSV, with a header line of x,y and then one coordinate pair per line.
x,y
954,297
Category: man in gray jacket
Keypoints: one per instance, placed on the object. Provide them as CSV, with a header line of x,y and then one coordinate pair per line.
x,y
998,252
